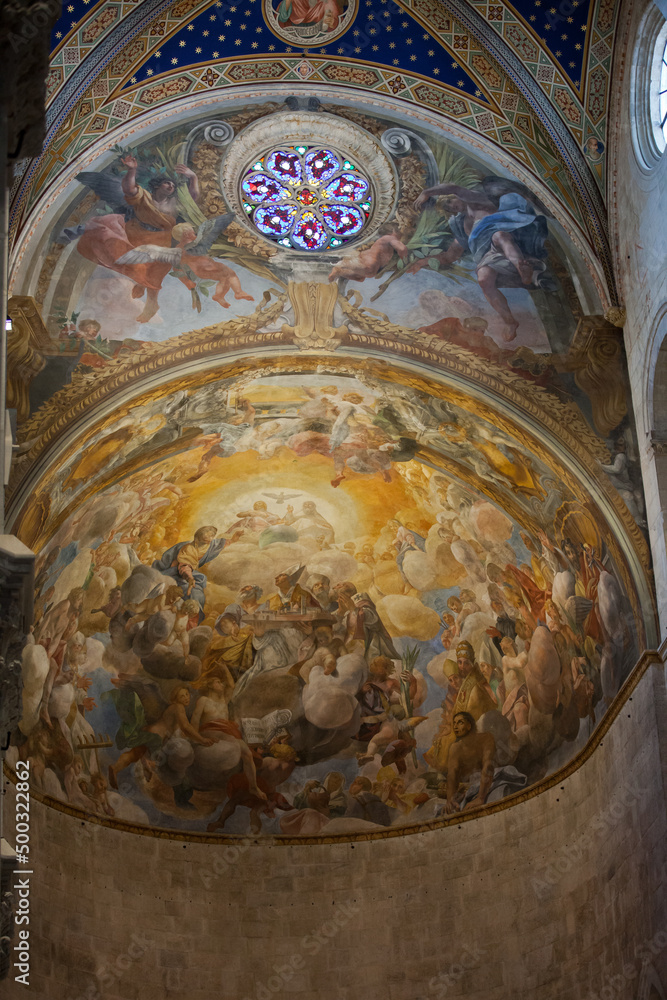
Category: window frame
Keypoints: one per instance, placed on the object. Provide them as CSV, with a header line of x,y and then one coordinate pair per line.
x,y
649,138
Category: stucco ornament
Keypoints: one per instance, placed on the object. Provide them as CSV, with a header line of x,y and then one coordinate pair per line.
x,y
351,159
615,315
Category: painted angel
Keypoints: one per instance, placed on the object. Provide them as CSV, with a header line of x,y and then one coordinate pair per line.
x,y
358,265
190,256
139,216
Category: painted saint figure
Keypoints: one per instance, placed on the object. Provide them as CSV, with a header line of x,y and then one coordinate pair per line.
x,y
471,752
505,237
184,560
154,213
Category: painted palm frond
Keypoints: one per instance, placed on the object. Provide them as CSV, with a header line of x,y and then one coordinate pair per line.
x,y
244,258
453,169
192,213
432,233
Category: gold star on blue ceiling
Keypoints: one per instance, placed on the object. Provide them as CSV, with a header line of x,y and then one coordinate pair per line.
x,y
71,13
381,34
563,27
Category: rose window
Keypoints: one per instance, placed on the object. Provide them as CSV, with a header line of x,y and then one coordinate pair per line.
x,y
306,197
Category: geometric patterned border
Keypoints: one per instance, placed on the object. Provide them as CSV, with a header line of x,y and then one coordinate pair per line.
x,y
527,103
580,173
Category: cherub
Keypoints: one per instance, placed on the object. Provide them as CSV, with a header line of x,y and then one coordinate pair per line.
x,y
361,264
191,252
179,632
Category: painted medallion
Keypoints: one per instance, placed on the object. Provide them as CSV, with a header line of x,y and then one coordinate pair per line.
x,y
309,22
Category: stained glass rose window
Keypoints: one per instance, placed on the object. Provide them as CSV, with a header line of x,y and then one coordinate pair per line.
x,y
306,197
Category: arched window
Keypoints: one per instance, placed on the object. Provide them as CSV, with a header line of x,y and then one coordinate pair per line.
x,y
649,89
658,95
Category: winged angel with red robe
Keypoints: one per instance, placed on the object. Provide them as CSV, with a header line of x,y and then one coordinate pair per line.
x,y
145,217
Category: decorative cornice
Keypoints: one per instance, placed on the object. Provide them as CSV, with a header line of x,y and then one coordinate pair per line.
x,y
616,315
27,343
557,430
658,444
85,391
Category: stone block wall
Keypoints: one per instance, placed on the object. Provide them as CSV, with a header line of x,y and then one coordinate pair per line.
x,y
637,201
561,896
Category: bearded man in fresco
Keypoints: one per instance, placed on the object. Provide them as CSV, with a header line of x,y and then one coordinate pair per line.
x,y
474,696
505,236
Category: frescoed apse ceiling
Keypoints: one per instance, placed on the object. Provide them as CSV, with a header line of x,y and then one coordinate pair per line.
x,y
530,79
322,433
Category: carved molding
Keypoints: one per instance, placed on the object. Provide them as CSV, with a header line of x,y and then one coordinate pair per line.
x,y
27,343
86,390
658,444
596,358
562,421
616,315
203,351
313,304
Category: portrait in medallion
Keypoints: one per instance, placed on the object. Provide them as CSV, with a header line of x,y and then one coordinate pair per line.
x,y
309,22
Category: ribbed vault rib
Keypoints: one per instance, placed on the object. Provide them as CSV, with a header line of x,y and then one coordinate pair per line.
x,y
86,72
572,156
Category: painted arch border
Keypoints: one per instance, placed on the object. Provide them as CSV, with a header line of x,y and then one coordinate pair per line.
x,y
588,273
